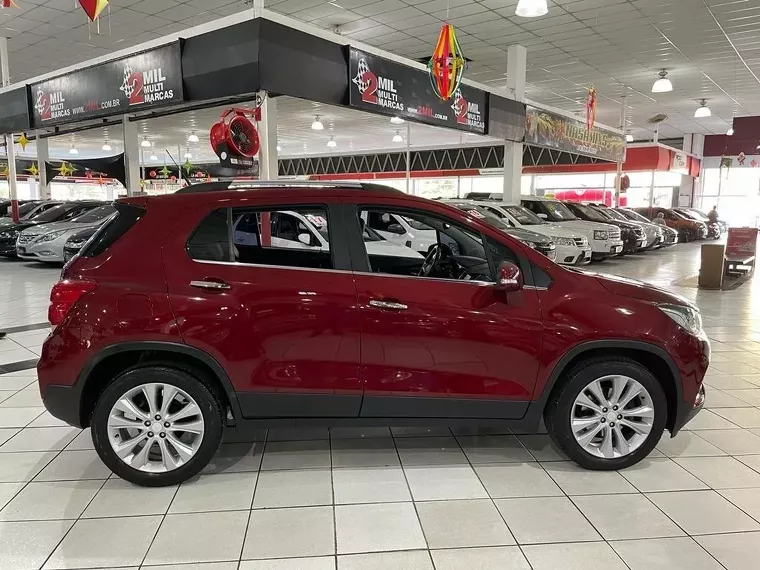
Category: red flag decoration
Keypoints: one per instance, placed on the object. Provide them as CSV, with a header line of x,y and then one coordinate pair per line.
x,y
93,8
591,109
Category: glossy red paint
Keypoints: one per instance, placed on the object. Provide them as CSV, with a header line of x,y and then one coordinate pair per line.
x,y
285,331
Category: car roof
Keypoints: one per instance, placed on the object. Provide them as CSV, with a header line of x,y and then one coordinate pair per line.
x,y
538,198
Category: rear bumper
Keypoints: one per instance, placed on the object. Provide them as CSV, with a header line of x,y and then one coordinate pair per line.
x,y
63,402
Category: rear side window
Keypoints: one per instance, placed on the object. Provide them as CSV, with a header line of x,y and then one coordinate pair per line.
x,y
126,216
292,237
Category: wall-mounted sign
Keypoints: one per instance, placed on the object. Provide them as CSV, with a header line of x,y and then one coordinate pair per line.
x,y
141,81
544,128
679,163
383,86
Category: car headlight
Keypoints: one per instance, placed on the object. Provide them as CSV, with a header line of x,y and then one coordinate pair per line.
x,y
564,241
600,234
51,236
7,235
688,318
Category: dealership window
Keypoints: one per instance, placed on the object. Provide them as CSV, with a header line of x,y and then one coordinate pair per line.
x,y
735,191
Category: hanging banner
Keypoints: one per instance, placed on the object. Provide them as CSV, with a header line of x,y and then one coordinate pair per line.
x,y
383,86
543,128
138,82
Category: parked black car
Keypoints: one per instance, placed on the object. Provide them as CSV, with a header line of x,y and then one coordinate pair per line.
x,y
631,234
76,242
59,213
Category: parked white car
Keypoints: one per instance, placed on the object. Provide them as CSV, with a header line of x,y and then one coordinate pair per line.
x,y
604,238
401,230
572,246
294,230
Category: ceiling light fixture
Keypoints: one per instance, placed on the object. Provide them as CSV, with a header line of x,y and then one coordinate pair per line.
x,y
317,124
397,120
106,146
153,157
145,143
703,110
629,138
331,143
279,148
663,84
73,150
730,131
193,138
397,138
531,8
188,155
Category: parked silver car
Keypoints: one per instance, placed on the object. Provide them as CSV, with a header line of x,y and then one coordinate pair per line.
x,y
46,242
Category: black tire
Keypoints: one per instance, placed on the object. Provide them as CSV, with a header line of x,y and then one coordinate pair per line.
x,y
688,236
559,408
203,394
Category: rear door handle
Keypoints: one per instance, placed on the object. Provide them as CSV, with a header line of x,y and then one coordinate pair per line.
x,y
388,305
212,285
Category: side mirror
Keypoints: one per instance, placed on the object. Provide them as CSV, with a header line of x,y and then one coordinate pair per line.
x,y
304,239
397,229
510,279
543,216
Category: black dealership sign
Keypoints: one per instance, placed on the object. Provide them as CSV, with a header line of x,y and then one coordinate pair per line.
x,y
141,81
383,86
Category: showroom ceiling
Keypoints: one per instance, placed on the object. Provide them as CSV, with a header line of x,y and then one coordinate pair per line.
x,y
711,48
353,131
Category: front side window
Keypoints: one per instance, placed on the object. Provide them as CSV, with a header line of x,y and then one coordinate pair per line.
x,y
446,250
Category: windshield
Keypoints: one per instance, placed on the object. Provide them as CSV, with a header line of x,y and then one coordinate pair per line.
x,y
417,225
53,214
635,216
96,215
485,215
614,214
558,211
690,214
524,216
590,213
26,209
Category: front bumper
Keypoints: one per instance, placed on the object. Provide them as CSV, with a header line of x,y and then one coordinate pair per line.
x,y
45,252
686,411
573,255
602,249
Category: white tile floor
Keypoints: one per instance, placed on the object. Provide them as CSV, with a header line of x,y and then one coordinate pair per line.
x,y
406,499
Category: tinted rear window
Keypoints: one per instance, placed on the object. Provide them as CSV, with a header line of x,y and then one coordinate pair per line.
x,y
127,215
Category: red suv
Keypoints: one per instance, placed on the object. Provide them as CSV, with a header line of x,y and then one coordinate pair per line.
x,y
270,305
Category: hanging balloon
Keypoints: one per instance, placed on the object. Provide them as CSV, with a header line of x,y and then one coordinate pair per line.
x,y
93,8
446,67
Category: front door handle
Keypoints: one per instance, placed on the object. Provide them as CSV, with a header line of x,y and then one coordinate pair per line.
x,y
388,305
211,285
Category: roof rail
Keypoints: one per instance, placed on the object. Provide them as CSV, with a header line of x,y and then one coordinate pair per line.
x,y
224,185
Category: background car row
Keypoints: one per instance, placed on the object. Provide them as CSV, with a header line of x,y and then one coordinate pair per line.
x,y
46,227
608,232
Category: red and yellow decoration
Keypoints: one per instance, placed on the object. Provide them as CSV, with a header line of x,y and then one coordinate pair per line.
x,y
446,67
9,4
591,109
93,8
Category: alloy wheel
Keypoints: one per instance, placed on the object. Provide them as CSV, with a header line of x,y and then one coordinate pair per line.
x,y
612,416
155,428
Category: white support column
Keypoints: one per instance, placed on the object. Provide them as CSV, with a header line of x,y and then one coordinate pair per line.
x,y
517,57
131,155
268,164
408,157
619,175
5,76
43,155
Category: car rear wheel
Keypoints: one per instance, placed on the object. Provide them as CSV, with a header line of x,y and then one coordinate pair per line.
x,y
687,235
607,413
156,426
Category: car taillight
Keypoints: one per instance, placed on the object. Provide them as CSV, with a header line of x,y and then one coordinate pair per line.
x,y
65,295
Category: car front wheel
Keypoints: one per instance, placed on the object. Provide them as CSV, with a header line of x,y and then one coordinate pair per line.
x,y
607,413
156,426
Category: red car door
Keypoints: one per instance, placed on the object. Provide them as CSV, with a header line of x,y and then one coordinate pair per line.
x,y
451,344
281,318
